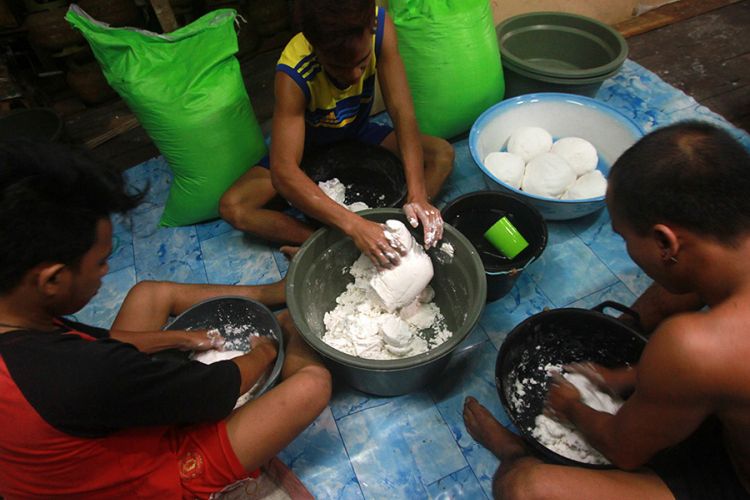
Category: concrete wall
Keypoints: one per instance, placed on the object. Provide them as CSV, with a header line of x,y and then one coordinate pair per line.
x,y
608,11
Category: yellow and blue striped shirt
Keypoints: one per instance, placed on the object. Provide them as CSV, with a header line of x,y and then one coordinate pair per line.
x,y
331,113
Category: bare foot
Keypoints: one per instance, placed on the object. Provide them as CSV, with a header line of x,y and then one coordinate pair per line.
x,y
490,433
289,251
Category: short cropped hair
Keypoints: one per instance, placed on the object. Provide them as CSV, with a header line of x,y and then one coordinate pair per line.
x,y
331,25
691,174
51,200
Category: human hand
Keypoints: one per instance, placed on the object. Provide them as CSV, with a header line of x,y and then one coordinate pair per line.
x,y
203,340
371,240
429,216
614,381
561,397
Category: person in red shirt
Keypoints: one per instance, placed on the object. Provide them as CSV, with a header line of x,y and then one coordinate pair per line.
x,y
86,412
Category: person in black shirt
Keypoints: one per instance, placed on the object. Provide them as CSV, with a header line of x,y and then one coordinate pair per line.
x,y
86,412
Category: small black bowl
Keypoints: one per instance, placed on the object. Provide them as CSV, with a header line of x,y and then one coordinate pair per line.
x,y
237,319
371,173
559,336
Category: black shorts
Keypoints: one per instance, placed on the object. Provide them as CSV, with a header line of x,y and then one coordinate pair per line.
x,y
699,467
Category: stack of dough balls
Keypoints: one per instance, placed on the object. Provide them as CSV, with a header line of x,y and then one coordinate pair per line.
x,y
565,169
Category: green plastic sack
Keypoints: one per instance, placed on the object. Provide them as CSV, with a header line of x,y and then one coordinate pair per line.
x,y
186,89
449,48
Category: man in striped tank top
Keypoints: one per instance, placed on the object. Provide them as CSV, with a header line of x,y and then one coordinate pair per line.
x,y
324,88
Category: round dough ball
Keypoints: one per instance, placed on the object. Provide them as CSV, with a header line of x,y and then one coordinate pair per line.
x,y
528,142
579,153
507,167
548,175
591,185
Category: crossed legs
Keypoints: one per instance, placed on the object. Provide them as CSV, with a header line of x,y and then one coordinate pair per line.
x,y
522,476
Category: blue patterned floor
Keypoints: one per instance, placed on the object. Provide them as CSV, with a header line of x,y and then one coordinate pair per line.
x,y
414,446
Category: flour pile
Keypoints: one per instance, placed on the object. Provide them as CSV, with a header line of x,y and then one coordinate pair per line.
x,y
336,190
388,313
566,440
563,169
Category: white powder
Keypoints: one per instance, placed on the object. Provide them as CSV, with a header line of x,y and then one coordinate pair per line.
x,y
528,142
591,185
548,175
361,326
579,153
400,285
563,170
566,440
335,190
507,167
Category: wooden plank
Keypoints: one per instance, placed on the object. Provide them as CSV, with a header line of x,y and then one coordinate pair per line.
x,y
165,14
117,126
669,14
707,57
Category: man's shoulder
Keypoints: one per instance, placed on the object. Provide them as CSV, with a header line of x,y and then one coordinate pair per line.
x,y
296,50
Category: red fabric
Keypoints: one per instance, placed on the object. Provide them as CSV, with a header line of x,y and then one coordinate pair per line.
x,y
36,460
206,461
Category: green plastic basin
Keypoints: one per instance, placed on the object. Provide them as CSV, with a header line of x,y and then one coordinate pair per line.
x,y
561,45
519,81
317,275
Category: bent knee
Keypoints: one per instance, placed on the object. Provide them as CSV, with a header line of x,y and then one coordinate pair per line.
x,y
523,481
150,289
317,385
442,155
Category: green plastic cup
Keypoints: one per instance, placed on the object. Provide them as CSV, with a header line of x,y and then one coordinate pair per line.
x,y
505,237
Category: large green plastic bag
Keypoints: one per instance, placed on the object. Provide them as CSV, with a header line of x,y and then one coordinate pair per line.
x,y
186,89
449,48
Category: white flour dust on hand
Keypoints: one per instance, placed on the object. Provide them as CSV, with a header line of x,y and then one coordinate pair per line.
x,y
566,440
228,351
385,313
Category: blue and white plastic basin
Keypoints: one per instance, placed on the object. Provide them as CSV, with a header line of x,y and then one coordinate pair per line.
x,y
562,115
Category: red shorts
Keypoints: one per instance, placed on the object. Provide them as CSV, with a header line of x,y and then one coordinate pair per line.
x,y
205,459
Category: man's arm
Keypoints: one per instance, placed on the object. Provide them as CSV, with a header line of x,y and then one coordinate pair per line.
x,y
150,342
294,185
669,402
398,102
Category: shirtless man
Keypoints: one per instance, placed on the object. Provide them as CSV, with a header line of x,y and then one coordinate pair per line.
x,y
85,412
680,198
324,87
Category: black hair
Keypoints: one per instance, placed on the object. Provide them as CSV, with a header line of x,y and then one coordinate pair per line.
x,y
331,25
691,174
51,199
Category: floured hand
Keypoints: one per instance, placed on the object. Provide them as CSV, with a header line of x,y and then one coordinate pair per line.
x,y
371,240
432,222
203,340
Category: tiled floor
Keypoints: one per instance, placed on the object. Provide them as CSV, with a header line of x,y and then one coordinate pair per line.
x,y
413,446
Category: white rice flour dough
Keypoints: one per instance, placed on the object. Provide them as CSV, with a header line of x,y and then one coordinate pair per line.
x,y
548,175
507,167
212,356
336,190
568,441
591,185
386,324
400,285
579,153
528,142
